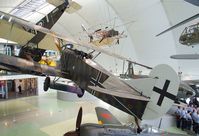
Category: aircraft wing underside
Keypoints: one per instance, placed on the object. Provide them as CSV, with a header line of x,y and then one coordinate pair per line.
x,y
27,67
118,93
14,32
18,34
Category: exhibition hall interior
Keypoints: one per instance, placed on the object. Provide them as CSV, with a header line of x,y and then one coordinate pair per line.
x,y
99,67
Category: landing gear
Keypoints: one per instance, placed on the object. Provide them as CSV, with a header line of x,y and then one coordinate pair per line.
x,y
46,84
139,130
80,95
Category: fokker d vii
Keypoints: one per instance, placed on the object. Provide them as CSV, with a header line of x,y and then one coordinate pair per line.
x,y
146,98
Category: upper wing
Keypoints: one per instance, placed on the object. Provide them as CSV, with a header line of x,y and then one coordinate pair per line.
x,y
15,33
48,43
54,34
21,34
105,117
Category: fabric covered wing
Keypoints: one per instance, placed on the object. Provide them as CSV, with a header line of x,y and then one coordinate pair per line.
x,y
48,43
14,32
118,93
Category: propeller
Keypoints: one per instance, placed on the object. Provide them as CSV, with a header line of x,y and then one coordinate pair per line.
x,y
179,24
98,30
78,125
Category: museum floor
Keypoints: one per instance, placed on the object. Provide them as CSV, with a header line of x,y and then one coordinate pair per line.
x,y
45,115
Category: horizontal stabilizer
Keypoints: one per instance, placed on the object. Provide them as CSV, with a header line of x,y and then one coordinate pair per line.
x,y
105,117
118,93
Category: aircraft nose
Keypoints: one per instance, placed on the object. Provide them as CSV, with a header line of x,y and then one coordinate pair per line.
x,y
183,40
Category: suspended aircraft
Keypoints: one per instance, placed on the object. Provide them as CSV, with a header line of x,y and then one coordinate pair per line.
x,y
110,126
106,36
190,35
146,98
33,43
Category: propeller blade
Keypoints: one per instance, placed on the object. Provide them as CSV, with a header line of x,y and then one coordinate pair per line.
x,y
72,133
98,30
79,119
179,24
102,39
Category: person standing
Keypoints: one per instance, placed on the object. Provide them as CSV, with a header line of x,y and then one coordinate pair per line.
x,y
178,119
189,120
197,123
183,118
19,87
194,119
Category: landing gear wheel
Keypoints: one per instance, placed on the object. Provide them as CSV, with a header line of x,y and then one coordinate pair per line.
x,y
81,94
46,84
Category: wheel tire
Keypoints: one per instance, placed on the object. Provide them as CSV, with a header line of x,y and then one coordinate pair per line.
x,y
80,96
46,84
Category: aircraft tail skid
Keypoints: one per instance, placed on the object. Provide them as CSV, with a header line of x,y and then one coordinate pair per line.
x,y
161,87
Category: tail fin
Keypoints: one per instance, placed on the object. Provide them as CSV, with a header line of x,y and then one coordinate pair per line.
x,y
105,117
161,87
163,93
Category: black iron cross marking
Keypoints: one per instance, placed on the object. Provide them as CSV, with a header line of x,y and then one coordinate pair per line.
x,y
163,93
96,82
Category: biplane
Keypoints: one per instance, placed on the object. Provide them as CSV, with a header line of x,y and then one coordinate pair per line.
x,y
145,98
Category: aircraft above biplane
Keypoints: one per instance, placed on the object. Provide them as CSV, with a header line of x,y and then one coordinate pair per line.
x,y
190,35
103,37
